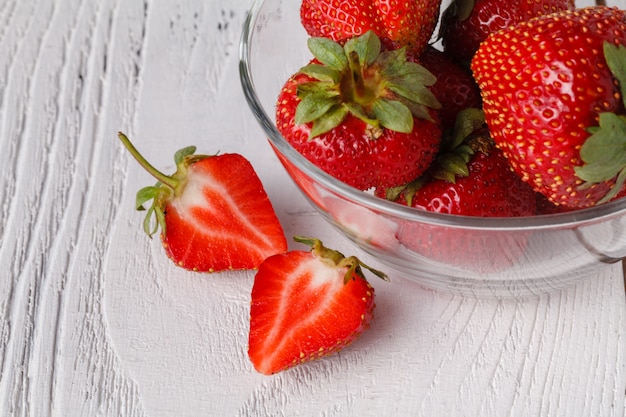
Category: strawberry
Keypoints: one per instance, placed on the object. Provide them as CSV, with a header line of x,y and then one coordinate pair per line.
x,y
470,177
360,113
213,212
466,23
410,24
306,305
339,19
490,189
455,87
552,99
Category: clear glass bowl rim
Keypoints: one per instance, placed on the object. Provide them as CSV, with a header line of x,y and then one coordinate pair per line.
x,y
575,218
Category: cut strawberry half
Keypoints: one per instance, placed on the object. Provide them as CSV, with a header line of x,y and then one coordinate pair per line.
x,y
306,305
213,212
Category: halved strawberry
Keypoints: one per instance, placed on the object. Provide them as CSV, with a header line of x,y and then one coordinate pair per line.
x,y
306,305
213,212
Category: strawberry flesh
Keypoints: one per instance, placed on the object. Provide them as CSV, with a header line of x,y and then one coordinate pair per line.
x,y
223,219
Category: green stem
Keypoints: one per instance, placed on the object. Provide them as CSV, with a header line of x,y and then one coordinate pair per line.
x,y
163,178
357,82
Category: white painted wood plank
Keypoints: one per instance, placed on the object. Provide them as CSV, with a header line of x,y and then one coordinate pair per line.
x,y
95,321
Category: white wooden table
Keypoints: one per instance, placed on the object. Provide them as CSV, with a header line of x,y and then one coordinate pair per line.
x,y
96,321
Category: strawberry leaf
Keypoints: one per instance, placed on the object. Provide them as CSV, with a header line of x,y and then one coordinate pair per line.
x,y
604,152
329,120
456,164
146,194
328,52
313,106
154,193
616,60
321,73
463,8
367,47
467,121
181,154
617,187
318,88
418,111
360,112
393,115
398,70
416,93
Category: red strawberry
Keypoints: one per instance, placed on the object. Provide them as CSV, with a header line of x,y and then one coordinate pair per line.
x,y
546,86
213,212
455,87
339,19
363,116
466,23
490,189
306,305
409,23
471,178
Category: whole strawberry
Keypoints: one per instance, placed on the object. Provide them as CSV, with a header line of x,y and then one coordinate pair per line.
x,y
455,87
552,99
306,305
213,212
470,177
466,23
490,189
339,19
362,114
410,23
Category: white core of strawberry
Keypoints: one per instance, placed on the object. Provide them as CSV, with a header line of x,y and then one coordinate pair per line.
x,y
193,194
194,198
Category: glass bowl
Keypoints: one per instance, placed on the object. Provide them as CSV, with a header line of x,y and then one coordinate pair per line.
x,y
466,255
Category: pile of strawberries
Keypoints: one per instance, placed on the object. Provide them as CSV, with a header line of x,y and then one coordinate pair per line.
x,y
521,112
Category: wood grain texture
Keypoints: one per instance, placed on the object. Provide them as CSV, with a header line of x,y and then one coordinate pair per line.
x,y
95,321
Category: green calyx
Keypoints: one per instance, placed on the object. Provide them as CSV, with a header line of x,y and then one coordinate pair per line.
x,y
167,187
337,259
460,144
383,89
463,8
604,152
